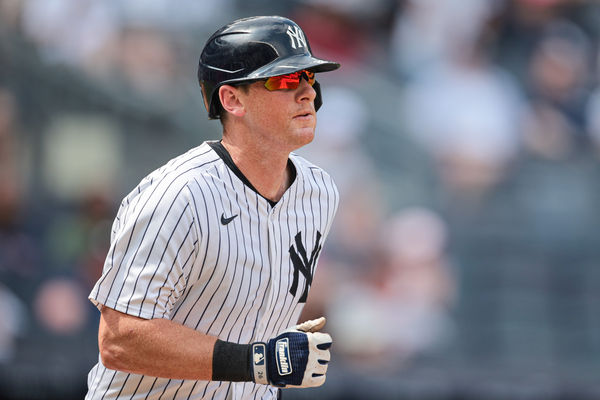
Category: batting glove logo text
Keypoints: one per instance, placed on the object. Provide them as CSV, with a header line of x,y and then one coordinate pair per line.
x,y
282,354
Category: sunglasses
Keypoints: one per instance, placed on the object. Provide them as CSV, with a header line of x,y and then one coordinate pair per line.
x,y
289,81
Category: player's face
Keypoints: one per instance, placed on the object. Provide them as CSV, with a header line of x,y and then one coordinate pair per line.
x,y
283,118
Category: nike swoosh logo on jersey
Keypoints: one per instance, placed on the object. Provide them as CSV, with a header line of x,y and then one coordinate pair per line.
x,y
225,221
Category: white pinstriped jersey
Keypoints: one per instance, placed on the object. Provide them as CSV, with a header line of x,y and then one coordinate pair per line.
x,y
196,244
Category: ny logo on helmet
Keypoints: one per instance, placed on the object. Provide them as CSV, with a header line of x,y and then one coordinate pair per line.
x,y
296,37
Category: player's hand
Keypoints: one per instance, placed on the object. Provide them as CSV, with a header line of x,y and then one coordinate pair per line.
x,y
297,357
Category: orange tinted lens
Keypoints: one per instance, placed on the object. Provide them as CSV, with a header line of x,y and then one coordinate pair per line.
x,y
289,81
310,77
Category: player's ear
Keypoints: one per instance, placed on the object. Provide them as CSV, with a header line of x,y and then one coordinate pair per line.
x,y
230,100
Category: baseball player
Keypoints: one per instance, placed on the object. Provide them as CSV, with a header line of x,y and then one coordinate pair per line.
x,y
212,255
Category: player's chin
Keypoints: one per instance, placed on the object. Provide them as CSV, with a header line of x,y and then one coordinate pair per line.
x,y
306,134
305,126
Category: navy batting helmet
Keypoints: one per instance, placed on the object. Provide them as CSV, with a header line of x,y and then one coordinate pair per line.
x,y
252,49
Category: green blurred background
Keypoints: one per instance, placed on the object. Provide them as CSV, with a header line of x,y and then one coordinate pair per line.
x,y
464,136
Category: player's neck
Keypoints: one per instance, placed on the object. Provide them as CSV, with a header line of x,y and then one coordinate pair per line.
x,y
266,169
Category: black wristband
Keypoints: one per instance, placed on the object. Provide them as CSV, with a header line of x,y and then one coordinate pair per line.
x,y
231,362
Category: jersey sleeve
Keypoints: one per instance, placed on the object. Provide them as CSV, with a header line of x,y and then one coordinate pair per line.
x,y
153,247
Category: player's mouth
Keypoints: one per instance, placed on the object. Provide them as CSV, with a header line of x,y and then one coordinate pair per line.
x,y
304,115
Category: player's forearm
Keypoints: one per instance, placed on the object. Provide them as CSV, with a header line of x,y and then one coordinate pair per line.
x,y
156,347
166,349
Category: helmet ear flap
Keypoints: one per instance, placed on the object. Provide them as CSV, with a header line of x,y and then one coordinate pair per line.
x,y
318,98
214,106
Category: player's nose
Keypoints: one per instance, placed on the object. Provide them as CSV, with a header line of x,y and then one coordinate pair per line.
x,y
305,91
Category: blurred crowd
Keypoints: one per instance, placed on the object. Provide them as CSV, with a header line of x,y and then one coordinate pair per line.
x,y
464,136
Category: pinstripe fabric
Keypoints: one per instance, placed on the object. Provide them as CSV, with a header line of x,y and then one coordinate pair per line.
x,y
171,257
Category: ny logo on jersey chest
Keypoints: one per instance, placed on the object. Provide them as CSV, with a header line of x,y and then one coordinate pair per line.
x,y
303,264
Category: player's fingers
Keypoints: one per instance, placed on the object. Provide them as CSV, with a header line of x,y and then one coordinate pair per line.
x,y
319,340
320,357
312,325
321,364
324,346
319,344
317,381
321,371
